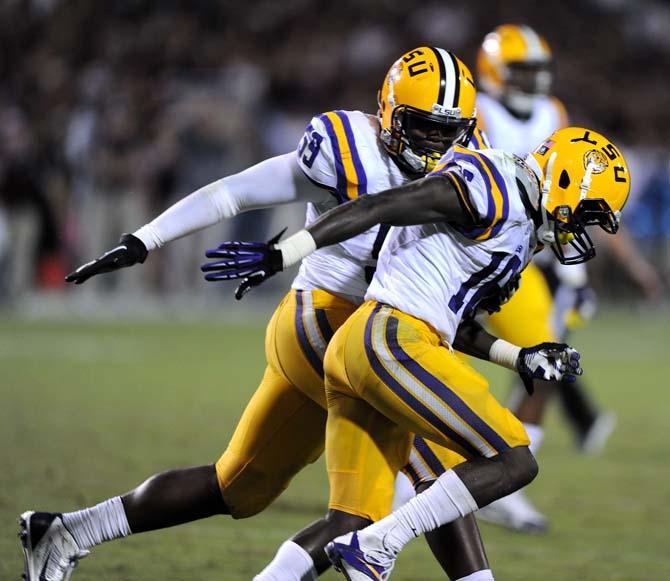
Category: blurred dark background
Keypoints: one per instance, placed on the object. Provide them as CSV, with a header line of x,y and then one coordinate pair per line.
x,y
111,111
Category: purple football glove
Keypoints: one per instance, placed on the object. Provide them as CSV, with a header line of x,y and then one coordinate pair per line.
x,y
254,262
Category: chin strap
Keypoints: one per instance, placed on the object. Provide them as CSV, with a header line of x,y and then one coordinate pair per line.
x,y
545,233
416,162
585,185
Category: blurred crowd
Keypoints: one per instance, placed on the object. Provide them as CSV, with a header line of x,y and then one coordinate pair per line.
x,y
111,111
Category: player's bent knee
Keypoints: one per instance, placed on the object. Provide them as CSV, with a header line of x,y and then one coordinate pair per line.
x,y
245,502
246,490
521,467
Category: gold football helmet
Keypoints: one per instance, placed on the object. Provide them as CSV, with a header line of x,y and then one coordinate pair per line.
x,y
426,104
514,66
584,181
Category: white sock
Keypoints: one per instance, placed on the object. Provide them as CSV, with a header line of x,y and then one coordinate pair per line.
x,y
535,435
446,500
100,523
291,563
483,575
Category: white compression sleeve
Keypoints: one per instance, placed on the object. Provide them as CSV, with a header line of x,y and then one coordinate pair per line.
x,y
278,180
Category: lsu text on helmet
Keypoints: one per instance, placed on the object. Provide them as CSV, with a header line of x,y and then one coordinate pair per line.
x,y
426,104
584,182
514,66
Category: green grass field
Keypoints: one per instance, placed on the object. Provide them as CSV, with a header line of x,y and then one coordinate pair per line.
x,y
88,410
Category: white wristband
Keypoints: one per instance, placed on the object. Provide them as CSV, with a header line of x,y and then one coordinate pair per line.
x,y
504,353
296,247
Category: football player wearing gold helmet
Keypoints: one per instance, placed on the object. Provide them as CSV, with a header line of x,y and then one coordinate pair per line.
x,y
416,123
426,105
515,69
390,371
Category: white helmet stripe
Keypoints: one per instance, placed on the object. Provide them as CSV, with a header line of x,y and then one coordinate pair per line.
x,y
534,47
452,87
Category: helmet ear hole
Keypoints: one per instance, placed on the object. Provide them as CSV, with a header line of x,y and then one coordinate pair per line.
x,y
564,180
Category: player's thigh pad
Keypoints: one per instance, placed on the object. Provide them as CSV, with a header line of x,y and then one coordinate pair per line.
x,y
298,334
280,432
526,319
364,449
398,364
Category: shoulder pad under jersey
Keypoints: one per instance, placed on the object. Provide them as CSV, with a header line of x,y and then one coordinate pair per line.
x,y
478,180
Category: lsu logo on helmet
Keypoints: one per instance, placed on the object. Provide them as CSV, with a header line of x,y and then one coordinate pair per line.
x,y
426,105
596,159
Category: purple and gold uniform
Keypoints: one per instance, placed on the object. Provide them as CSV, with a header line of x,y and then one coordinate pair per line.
x,y
390,372
349,154
342,153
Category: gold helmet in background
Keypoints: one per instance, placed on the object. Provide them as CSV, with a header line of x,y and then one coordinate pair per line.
x,y
514,65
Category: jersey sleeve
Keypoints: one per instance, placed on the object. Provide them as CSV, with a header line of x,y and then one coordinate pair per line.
x,y
328,155
480,187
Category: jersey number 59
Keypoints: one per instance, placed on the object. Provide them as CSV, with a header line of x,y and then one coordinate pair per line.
x,y
309,147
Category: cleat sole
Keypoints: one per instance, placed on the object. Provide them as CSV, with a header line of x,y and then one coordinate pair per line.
x,y
24,535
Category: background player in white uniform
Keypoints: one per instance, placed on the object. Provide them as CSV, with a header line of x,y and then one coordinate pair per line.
x,y
390,371
343,155
515,70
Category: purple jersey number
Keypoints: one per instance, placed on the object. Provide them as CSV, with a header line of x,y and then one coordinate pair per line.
x,y
310,146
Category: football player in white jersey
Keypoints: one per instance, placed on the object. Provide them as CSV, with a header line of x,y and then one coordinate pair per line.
x,y
514,68
390,369
426,105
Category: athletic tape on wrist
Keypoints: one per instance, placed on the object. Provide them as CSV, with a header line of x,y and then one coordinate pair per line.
x,y
296,247
504,353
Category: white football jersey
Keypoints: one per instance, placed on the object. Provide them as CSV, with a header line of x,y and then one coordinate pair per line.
x,y
341,152
438,272
519,136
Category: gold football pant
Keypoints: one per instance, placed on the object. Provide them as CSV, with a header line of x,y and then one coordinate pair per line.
x,y
428,460
388,377
283,426
525,321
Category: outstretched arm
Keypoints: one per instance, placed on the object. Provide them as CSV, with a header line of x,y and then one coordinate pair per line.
x,y
272,182
431,199
275,181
